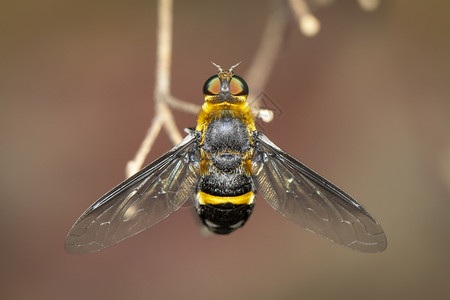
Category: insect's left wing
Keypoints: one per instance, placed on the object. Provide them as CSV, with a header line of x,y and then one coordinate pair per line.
x,y
308,199
139,202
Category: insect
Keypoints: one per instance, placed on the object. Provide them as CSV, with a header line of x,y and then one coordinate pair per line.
x,y
220,166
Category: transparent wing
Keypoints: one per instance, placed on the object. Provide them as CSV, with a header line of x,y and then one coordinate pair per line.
x,y
139,202
311,201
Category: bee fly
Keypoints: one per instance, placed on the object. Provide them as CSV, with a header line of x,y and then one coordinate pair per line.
x,y
220,165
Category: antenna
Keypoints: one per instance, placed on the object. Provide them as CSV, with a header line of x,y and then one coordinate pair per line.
x,y
232,67
217,66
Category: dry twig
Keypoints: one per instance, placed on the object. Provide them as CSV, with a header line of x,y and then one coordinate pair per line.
x,y
257,75
163,115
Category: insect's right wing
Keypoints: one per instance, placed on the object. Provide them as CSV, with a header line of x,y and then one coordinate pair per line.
x,y
139,202
308,199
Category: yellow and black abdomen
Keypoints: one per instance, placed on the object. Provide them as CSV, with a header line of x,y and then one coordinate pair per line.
x,y
225,192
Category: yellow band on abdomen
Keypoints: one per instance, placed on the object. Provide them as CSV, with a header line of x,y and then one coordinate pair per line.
x,y
204,198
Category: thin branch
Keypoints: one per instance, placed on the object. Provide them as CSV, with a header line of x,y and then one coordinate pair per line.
x,y
164,61
134,165
163,115
179,104
169,124
164,48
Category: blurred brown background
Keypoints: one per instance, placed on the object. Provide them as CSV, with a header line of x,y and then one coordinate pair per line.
x,y
366,103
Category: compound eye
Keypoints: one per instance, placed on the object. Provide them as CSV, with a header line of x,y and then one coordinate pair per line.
x,y
212,86
238,86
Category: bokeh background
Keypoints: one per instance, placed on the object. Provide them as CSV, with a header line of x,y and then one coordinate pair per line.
x,y
366,103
